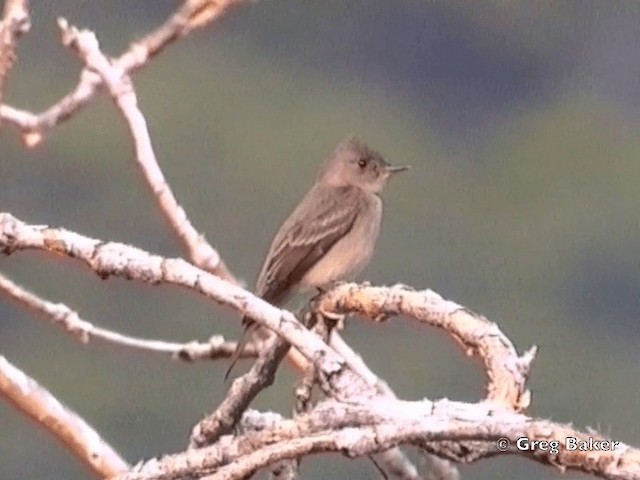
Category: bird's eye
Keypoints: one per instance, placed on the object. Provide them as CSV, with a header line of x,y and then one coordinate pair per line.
x,y
362,162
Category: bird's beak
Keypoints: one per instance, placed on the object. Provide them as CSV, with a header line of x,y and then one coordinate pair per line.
x,y
395,169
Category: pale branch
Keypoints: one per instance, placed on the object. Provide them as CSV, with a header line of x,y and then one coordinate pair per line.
x,y
287,470
507,371
15,23
438,468
190,15
100,72
393,463
391,422
254,421
35,402
117,259
507,384
119,85
107,259
241,393
304,391
262,374
358,429
355,362
114,75
59,314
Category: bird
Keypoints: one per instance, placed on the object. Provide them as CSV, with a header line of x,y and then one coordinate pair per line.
x,y
331,234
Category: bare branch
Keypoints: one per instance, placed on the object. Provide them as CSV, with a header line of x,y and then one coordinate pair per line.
x,y
362,432
108,259
262,374
391,422
120,87
128,262
37,403
114,76
15,23
84,331
357,429
398,465
191,15
242,392
506,370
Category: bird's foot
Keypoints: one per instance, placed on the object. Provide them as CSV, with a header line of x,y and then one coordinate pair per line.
x,y
335,320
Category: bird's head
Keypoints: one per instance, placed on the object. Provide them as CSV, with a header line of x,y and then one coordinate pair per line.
x,y
355,164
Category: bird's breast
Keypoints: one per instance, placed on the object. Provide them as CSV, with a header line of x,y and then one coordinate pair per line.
x,y
351,254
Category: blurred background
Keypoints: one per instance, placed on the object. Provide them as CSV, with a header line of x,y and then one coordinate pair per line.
x,y
520,120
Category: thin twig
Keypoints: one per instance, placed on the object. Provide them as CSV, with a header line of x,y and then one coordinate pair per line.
x,y
15,23
120,87
190,15
60,315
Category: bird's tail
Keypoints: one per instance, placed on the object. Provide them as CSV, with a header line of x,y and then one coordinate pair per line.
x,y
247,334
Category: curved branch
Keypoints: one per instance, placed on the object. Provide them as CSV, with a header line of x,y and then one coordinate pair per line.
x,y
363,429
114,75
507,372
367,423
80,438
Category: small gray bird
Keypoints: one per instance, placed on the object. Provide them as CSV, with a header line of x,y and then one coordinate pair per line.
x,y
331,234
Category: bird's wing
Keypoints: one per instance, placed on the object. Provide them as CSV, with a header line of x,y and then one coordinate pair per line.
x,y
324,215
